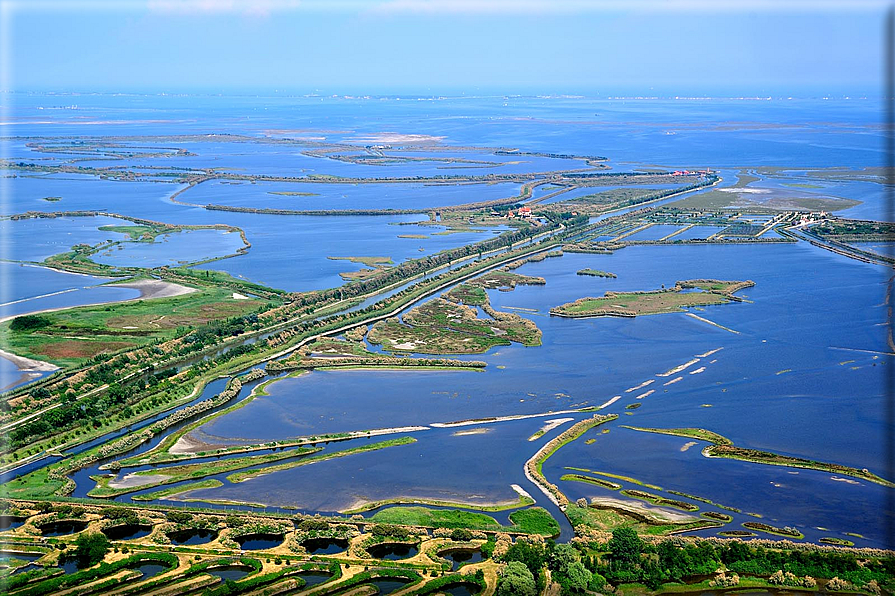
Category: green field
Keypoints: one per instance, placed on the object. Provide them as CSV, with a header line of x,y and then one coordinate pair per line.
x,y
630,304
533,520
69,337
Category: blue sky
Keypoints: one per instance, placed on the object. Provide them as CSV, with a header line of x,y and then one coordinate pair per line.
x,y
440,46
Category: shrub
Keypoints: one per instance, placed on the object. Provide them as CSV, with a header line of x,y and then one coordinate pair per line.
x,y
179,517
30,323
90,549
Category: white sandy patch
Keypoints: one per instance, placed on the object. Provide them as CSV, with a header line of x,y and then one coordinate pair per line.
x,y
521,491
132,480
407,345
673,381
679,368
659,514
395,137
156,288
698,370
647,394
688,445
610,402
641,386
28,364
474,431
709,353
238,296
550,425
499,419
149,288
751,191
846,480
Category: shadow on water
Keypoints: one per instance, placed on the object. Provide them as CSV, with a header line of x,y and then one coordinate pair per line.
x,y
230,573
387,586
461,556
260,541
461,589
150,570
393,551
127,532
313,578
185,537
324,546
61,528
8,522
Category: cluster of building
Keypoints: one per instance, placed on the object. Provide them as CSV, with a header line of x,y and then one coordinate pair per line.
x,y
691,173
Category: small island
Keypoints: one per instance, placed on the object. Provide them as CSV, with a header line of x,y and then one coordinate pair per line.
x,y
596,273
666,300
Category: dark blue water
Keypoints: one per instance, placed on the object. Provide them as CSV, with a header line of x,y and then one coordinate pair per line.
x,y
8,522
127,532
459,557
230,573
62,528
192,536
259,541
393,552
21,555
324,546
150,570
461,589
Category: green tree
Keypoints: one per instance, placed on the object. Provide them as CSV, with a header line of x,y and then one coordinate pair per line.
x,y
625,546
577,577
563,556
516,580
90,549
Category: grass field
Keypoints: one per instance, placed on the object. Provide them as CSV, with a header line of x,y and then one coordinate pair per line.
x,y
631,304
533,520
77,334
443,327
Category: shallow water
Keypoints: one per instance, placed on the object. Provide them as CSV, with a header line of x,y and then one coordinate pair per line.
x,y
802,375
324,196
798,371
172,250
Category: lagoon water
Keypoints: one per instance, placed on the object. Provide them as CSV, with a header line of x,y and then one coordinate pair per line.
x,y
802,365
813,370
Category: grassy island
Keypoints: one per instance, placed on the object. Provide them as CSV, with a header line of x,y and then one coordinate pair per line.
x,y
328,353
631,304
533,520
596,273
444,327
534,466
724,447
108,486
769,529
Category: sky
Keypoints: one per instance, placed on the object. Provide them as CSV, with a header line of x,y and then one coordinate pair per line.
x,y
678,47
